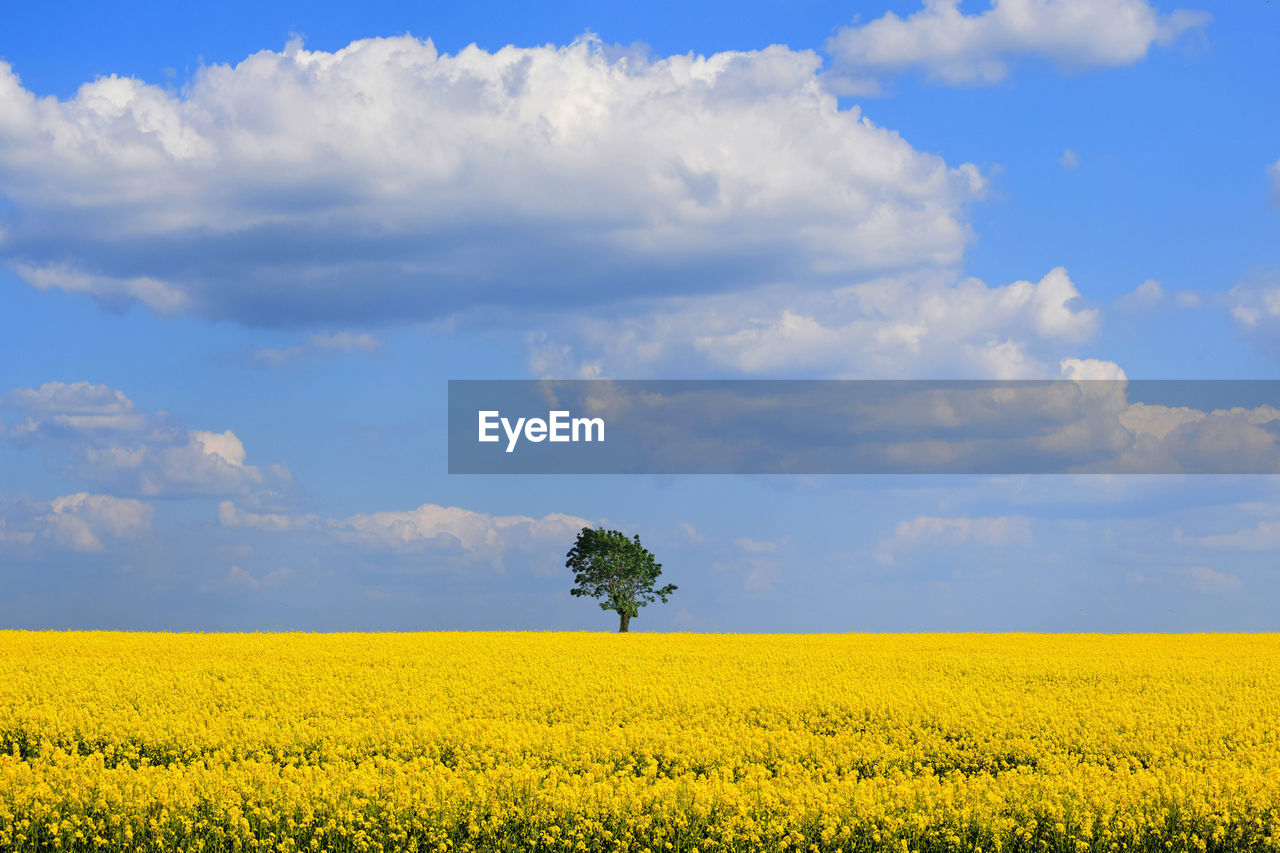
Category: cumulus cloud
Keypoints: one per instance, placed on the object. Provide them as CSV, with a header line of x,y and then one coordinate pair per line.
x,y
922,324
952,47
1091,419
474,532
206,464
108,441
988,530
1001,530
445,530
229,515
387,181
77,522
1255,307
1150,295
1091,369
1069,159
76,407
1238,440
1144,297
996,531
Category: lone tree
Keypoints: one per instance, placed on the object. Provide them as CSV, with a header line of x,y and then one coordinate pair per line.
x,y
608,565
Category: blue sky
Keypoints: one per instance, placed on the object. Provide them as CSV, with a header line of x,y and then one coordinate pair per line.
x,y
242,251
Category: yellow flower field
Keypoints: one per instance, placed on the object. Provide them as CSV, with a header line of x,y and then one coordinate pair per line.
x,y
644,743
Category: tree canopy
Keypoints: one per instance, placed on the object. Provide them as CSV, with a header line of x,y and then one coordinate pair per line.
x,y
620,571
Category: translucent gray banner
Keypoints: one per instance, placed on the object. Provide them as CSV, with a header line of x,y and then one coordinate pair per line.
x,y
864,427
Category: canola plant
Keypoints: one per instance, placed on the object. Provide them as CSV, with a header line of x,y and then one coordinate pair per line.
x,y
638,743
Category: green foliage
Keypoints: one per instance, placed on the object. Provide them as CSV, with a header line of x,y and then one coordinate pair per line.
x,y
609,566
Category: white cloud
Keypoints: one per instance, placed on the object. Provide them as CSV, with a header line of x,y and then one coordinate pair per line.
x,y
762,576
1091,369
73,407
1150,294
1200,578
954,48
12,534
223,445
694,534
206,464
469,534
476,533
1206,579
923,324
113,292
229,515
118,516
1000,530
994,531
1180,439
1144,297
1069,159
345,341
1090,421
757,573
1187,299
1264,536
239,577
755,546
321,342
1255,307
73,398
386,181
1158,421
1274,171
112,444
78,522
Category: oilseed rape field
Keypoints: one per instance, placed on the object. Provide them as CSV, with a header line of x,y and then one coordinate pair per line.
x,y
644,743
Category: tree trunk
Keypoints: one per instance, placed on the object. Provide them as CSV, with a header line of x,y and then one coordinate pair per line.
x,y
624,619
